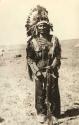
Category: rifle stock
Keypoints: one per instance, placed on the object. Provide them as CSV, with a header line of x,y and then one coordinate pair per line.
x,y
49,115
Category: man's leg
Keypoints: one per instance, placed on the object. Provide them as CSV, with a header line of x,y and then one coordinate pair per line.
x,y
40,95
54,97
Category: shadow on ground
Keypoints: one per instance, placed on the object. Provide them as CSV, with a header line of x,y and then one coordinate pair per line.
x,y
70,113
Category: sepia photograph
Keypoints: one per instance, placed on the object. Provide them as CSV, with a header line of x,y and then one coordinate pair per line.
x,y
39,62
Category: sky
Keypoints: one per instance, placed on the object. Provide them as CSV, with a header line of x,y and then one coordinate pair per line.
x,y
64,14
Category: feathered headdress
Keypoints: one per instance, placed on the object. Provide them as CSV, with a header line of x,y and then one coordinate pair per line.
x,y
36,15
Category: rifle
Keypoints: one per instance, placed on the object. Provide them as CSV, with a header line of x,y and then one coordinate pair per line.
x,y
49,114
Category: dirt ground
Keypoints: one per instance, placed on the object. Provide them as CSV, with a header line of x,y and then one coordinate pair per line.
x,y
17,91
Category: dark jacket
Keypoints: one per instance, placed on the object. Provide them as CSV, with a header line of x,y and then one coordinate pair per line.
x,y
41,53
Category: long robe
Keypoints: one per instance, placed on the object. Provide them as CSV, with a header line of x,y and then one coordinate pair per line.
x,y
41,53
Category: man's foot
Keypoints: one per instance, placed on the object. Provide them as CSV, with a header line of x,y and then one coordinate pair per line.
x,y
55,120
41,118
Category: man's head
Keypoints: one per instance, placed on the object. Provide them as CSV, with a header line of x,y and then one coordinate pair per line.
x,y
43,27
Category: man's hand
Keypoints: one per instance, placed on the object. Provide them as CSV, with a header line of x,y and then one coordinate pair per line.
x,y
39,75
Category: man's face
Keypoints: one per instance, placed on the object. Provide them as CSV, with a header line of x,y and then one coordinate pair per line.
x,y
43,28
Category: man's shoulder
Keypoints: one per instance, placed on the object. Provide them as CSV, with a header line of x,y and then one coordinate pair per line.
x,y
55,38
29,41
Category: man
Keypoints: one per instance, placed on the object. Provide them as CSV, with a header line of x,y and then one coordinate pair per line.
x,y
43,50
